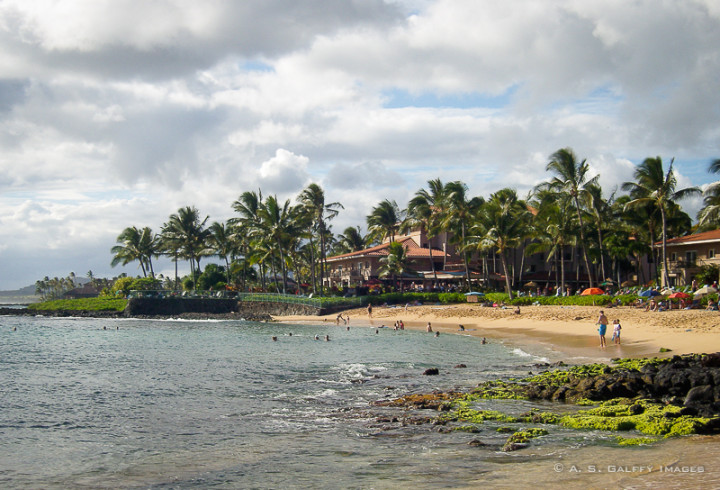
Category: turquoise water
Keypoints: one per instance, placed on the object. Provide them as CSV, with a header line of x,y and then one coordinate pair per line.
x,y
90,403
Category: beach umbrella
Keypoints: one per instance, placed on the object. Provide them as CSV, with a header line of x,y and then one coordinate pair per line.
x,y
474,293
531,284
705,290
680,295
666,292
591,291
627,284
649,293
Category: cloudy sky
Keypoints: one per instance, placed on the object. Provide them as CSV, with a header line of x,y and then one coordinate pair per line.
x,y
117,112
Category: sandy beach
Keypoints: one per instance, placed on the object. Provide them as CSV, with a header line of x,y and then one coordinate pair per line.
x,y
570,330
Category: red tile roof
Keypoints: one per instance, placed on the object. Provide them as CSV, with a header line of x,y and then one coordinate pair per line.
x,y
706,236
414,251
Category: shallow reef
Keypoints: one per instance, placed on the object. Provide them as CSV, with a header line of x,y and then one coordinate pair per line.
x,y
654,397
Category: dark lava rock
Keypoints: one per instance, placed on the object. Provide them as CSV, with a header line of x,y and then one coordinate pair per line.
x,y
514,446
460,366
476,443
431,372
699,395
711,360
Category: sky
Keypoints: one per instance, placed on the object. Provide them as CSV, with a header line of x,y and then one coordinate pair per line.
x,y
115,113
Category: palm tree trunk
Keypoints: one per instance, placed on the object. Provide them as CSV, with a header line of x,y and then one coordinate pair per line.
x,y
282,266
227,270
503,260
322,253
582,240
562,272
602,254
465,256
666,278
312,266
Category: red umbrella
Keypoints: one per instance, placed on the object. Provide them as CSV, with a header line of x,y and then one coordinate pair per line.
x,y
591,291
680,294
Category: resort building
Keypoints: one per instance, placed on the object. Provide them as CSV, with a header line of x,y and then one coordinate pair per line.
x,y
356,269
362,267
687,254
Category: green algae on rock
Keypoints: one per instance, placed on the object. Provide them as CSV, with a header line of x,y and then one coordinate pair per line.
x,y
520,438
634,441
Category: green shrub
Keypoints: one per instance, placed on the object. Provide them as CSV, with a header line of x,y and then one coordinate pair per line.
x,y
145,284
85,304
121,287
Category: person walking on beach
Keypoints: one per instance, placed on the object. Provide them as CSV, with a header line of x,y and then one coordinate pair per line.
x,y
369,308
602,322
616,332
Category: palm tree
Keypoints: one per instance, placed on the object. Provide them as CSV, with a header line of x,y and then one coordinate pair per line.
x,y
186,231
554,228
425,210
384,221
571,177
278,222
312,200
223,244
711,209
130,248
457,215
248,224
655,187
395,263
350,240
599,209
500,224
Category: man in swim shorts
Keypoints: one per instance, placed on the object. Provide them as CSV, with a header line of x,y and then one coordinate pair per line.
x,y
602,321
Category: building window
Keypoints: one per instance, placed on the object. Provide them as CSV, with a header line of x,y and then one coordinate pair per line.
x,y
673,256
711,253
691,256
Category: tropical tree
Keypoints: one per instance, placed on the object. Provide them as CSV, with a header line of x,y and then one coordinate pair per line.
x,y
500,224
136,245
384,221
312,201
599,210
458,212
395,263
571,177
350,240
710,213
247,228
426,210
554,229
186,232
654,186
278,222
223,244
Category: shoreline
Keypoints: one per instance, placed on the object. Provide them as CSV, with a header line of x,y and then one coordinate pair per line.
x,y
569,331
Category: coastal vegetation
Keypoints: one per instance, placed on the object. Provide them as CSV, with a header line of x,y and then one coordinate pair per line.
x,y
85,304
654,397
269,240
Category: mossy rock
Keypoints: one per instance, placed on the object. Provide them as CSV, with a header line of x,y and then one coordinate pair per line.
x,y
634,441
644,416
520,438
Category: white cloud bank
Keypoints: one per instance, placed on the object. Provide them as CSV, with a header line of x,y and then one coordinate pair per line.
x,y
117,113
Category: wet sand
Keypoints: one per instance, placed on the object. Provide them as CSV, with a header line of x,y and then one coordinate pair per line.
x,y
570,330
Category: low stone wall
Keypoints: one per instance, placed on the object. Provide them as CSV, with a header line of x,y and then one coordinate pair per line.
x,y
178,306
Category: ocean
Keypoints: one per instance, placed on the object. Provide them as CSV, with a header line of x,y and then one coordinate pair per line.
x,y
129,403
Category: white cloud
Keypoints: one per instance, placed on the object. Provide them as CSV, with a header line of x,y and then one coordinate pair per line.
x,y
284,173
117,113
